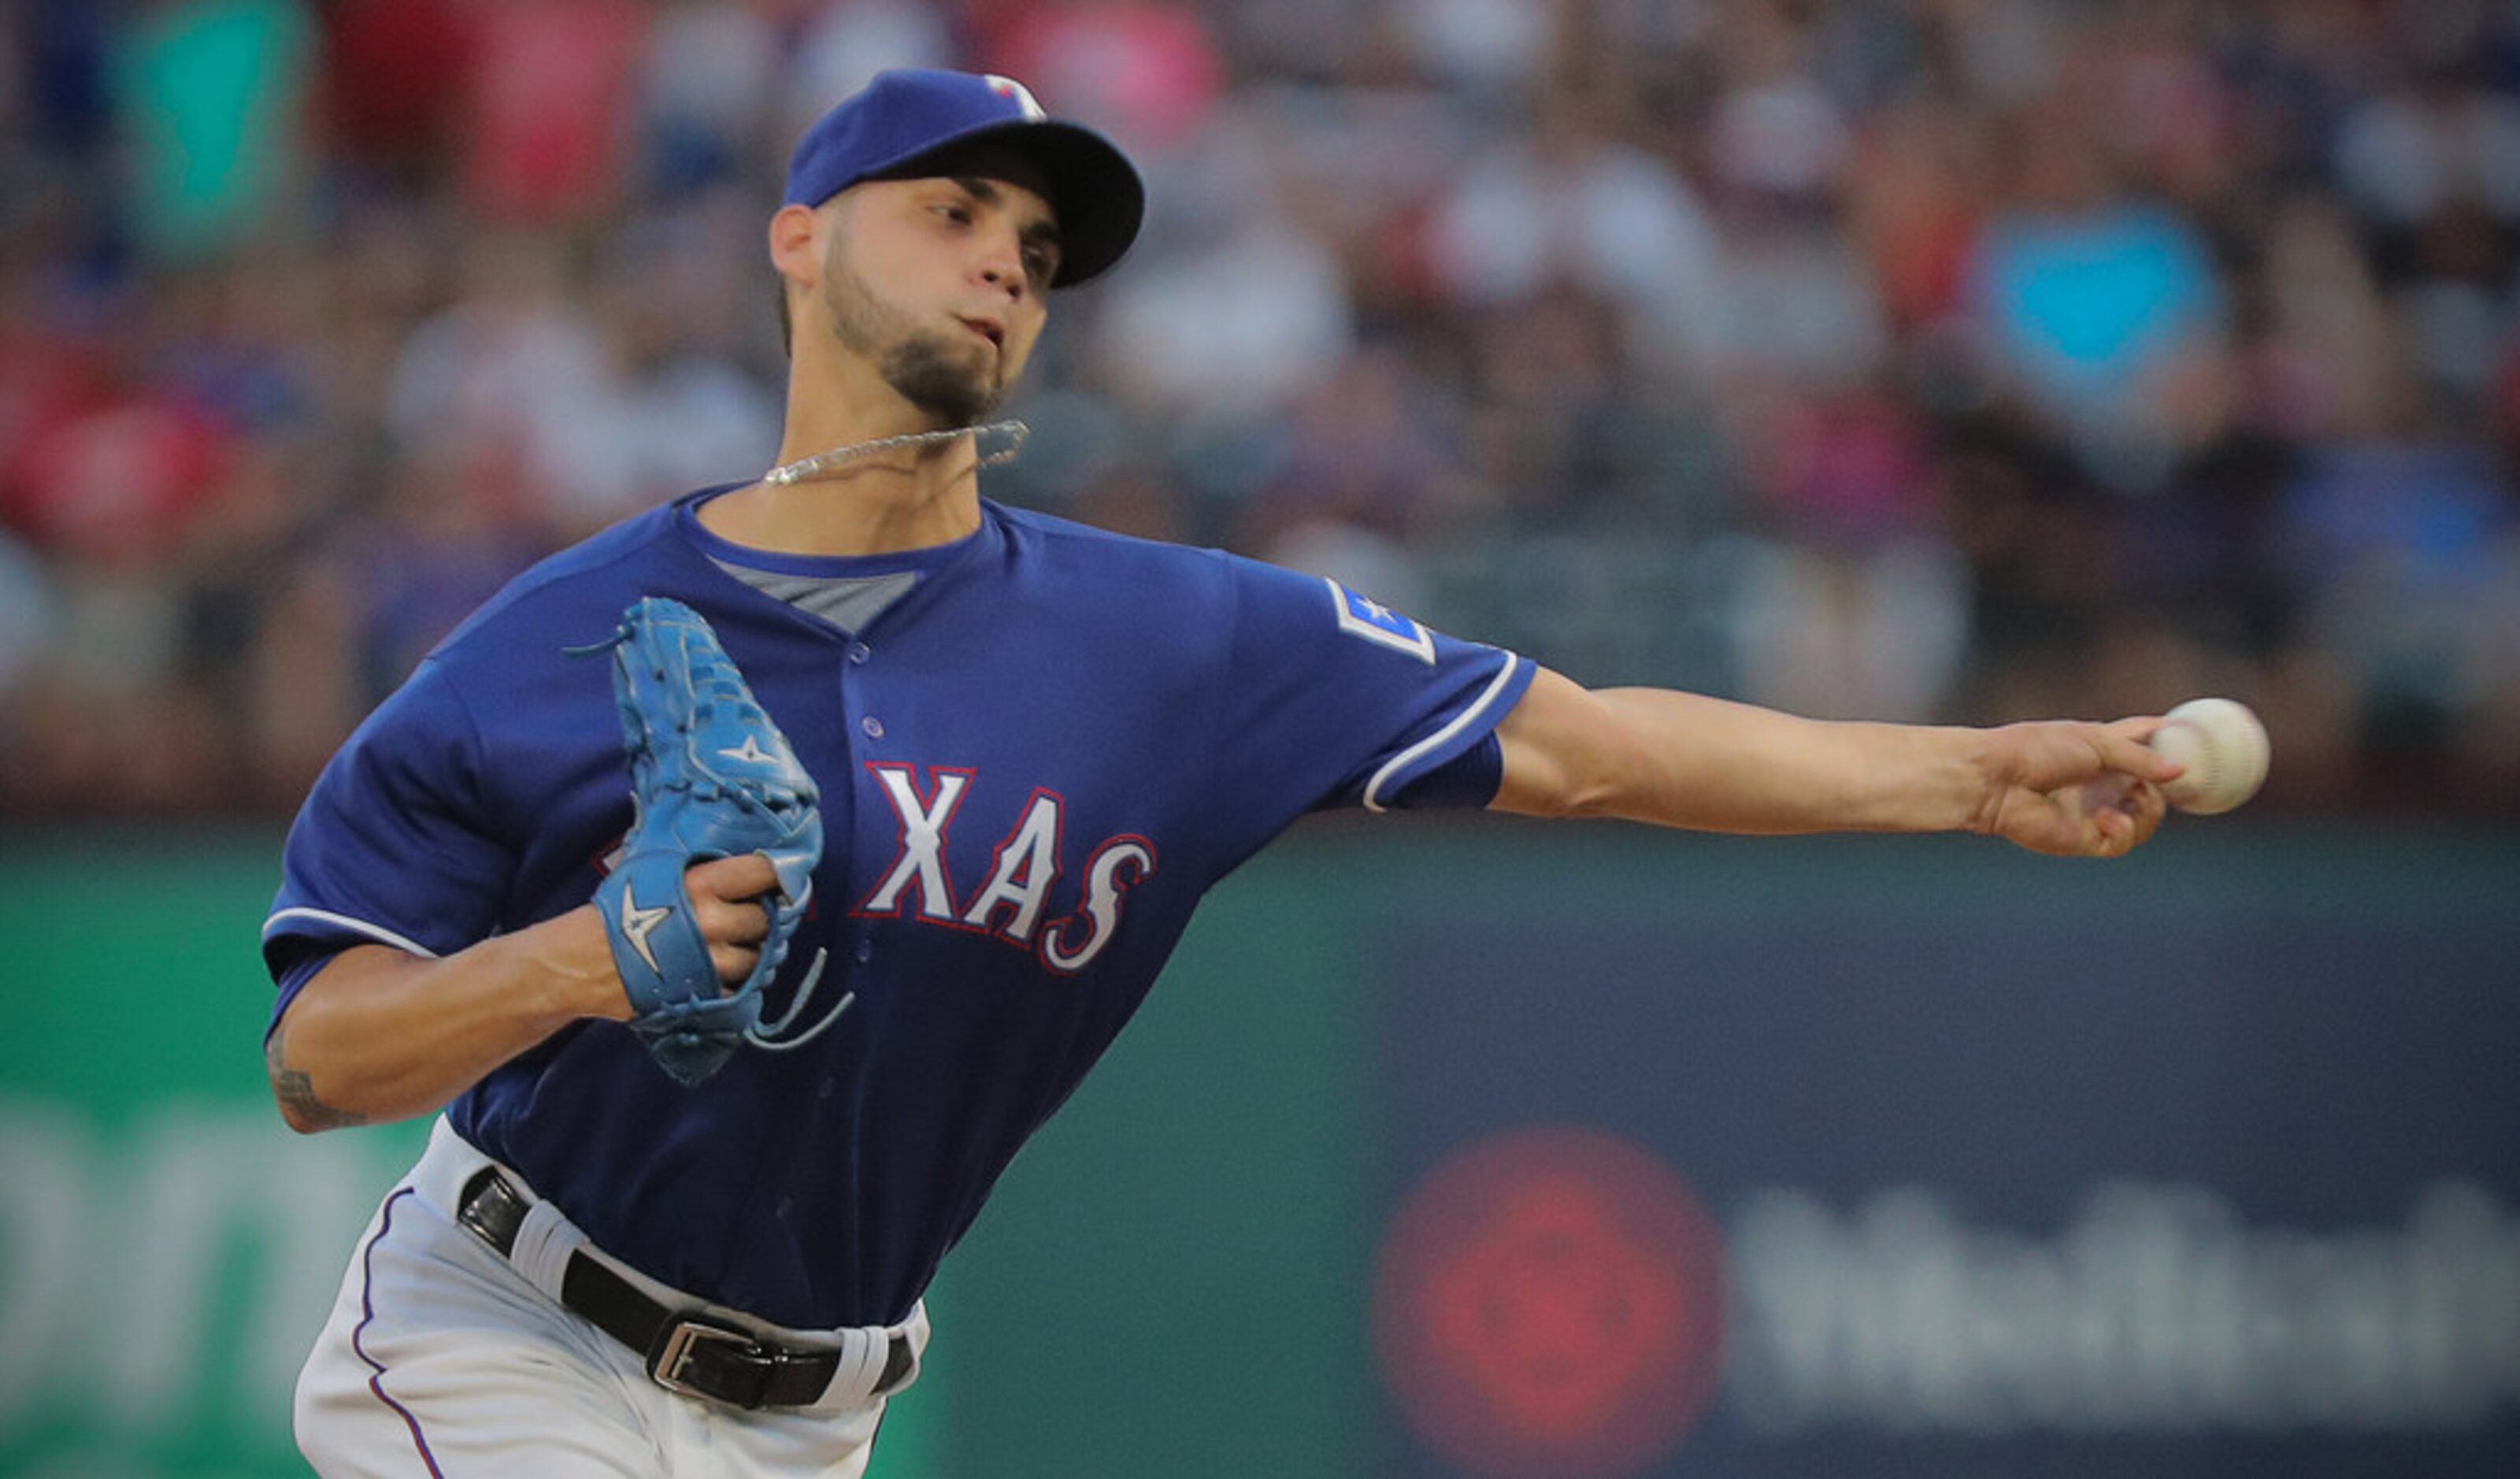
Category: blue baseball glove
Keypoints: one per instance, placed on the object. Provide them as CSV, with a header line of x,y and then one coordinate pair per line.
x,y
712,777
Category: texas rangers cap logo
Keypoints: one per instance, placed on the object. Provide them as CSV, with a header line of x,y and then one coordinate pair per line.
x,y
1008,87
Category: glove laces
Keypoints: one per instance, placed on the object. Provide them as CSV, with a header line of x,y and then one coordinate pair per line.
x,y
770,1035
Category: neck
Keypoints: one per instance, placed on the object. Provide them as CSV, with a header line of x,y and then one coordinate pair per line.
x,y
1011,433
870,476
900,498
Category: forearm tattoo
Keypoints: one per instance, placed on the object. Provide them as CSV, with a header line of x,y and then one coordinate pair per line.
x,y
297,1092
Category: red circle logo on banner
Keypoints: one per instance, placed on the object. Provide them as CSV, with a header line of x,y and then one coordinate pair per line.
x,y
1550,1306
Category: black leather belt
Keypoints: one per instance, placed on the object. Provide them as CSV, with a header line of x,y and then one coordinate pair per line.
x,y
685,1351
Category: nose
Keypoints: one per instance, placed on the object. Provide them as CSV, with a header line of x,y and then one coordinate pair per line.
x,y
1002,265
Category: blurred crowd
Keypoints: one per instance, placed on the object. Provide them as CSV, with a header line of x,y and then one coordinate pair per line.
x,y
1918,359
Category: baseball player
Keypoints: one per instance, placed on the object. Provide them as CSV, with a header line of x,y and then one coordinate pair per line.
x,y
935,785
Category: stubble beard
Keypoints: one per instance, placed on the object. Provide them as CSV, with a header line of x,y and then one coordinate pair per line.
x,y
946,379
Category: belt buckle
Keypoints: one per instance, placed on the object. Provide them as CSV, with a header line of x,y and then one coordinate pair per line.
x,y
679,1344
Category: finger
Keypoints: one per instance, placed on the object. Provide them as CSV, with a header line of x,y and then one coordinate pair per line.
x,y
2149,806
2133,812
736,922
2115,830
731,962
746,877
2097,819
2122,748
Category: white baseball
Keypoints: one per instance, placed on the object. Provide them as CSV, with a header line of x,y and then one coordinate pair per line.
x,y
2225,750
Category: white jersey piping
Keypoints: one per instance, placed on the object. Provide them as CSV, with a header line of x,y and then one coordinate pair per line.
x,y
1461,721
377,932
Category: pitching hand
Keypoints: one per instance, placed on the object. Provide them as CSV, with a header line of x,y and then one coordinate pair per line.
x,y
2072,790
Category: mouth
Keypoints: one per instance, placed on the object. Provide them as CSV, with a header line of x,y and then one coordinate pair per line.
x,y
986,328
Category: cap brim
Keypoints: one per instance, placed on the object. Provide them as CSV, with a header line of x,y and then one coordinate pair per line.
x,y
1099,199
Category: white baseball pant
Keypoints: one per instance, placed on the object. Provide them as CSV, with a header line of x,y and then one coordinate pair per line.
x,y
444,1358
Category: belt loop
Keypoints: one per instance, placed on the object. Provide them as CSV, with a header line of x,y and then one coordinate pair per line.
x,y
545,1241
916,1327
862,1361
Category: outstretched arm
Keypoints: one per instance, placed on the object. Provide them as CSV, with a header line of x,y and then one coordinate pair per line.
x,y
1676,759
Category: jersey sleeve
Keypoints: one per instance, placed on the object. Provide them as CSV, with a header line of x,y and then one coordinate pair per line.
x,y
1333,699
394,845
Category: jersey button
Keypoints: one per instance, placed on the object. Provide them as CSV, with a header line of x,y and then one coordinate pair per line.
x,y
865,951
859,651
872,726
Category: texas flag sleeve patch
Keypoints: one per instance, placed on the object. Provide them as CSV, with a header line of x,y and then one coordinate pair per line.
x,y
1380,624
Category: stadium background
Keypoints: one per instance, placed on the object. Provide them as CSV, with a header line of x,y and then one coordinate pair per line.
x,y
1933,359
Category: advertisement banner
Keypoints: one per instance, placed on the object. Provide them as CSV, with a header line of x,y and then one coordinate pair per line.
x,y
1958,1167
1508,1151
168,1249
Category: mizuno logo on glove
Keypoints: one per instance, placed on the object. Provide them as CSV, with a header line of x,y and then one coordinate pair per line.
x,y
638,924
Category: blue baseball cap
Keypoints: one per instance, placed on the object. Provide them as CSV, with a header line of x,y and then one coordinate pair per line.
x,y
904,118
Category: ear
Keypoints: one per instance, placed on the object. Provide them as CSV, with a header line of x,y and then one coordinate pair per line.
x,y
795,235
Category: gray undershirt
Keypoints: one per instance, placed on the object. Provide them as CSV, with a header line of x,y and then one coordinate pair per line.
x,y
846,602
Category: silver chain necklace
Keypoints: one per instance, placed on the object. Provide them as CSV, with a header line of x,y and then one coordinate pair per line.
x,y
1015,431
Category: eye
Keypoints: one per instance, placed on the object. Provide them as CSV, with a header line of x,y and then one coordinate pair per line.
x,y
953,210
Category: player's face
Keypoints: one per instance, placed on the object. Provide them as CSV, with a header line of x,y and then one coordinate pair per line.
x,y
940,282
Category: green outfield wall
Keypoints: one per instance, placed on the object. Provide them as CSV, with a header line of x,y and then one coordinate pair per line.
x,y
168,1250
1176,1279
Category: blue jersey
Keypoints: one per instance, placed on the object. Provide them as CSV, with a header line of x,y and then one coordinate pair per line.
x,y
1032,765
